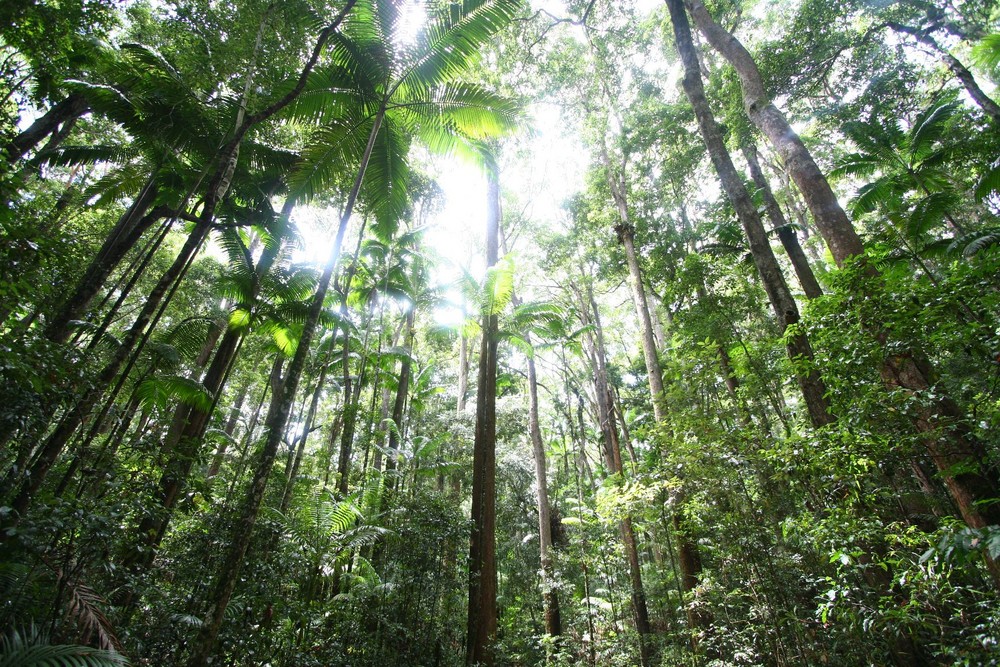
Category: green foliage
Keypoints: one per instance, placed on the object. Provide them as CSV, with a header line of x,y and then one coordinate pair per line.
x,y
31,648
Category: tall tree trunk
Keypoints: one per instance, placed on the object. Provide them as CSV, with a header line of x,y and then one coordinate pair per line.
x,y
229,430
182,446
76,416
786,310
789,239
402,390
960,457
613,461
463,367
228,575
961,72
690,560
307,428
482,618
550,597
122,238
828,214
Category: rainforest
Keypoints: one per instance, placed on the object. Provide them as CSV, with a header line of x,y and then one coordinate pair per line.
x,y
499,333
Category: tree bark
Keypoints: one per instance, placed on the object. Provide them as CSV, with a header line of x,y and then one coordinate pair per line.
x,y
67,110
550,597
961,72
123,237
786,310
482,616
613,461
944,431
228,576
828,214
789,239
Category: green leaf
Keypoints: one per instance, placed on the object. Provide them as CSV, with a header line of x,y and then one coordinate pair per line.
x,y
159,391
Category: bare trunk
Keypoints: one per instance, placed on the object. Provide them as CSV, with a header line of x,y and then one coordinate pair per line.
x,y
786,310
960,71
482,615
789,239
613,462
945,433
550,598
67,110
828,214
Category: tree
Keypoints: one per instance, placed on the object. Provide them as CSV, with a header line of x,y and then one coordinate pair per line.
x,y
785,308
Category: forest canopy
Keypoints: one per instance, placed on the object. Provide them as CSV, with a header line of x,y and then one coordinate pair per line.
x,y
499,332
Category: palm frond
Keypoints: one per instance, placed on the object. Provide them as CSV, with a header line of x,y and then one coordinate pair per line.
x,y
160,390
31,648
930,125
453,38
976,242
989,182
929,213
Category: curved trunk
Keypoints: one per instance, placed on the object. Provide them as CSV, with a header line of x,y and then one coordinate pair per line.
x,y
830,218
123,237
785,308
946,435
63,112
961,72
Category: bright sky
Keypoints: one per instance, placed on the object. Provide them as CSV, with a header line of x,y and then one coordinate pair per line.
x,y
542,179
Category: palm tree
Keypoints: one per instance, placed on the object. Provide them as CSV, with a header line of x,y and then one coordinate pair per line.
x,y
223,169
911,186
389,92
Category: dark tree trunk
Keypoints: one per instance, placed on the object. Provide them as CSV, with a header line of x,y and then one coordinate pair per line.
x,y
482,618
123,237
402,390
789,239
945,432
65,111
76,416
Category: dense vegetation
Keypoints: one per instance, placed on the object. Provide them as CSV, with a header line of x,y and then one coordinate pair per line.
x,y
733,400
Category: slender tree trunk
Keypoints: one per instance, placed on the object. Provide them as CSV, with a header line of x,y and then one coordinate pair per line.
x,y
123,237
789,239
613,462
961,72
550,597
463,368
229,430
278,418
76,416
786,310
828,214
960,457
67,110
402,390
307,428
482,618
